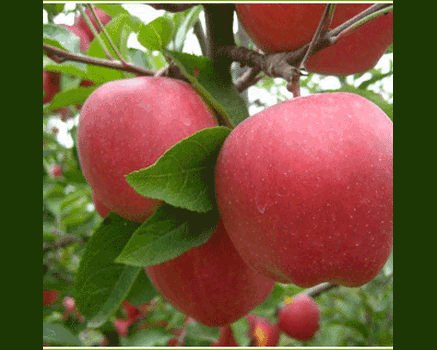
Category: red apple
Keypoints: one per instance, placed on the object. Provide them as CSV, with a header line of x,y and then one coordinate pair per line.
x,y
262,332
99,206
299,317
81,23
126,125
211,283
56,171
84,39
305,190
50,85
49,296
227,337
286,27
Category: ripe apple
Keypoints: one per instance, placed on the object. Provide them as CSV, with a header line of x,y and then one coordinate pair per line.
x,y
81,23
211,283
84,39
126,125
262,332
286,27
99,206
305,190
49,296
227,337
50,85
299,317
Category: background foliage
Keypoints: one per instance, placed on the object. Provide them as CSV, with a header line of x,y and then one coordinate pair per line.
x,y
350,316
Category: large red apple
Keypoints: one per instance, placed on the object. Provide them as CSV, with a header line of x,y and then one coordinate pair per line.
x,y
99,206
49,296
126,125
211,283
299,317
81,23
305,190
286,27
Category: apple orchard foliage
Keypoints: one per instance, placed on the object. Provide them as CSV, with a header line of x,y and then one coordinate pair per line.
x,y
99,227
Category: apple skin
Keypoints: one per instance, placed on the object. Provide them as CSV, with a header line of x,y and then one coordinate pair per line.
x,y
50,85
305,190
81,23
211,283
286,27
49,296
227,337
126,125
262,332
84,39
300,318
99,206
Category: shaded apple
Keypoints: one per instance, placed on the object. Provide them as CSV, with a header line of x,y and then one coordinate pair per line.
x,y
84,39
211,283
49,296
305,190
262,332
81,23
99,206
50,85
227,337
286,27
299,317
126,125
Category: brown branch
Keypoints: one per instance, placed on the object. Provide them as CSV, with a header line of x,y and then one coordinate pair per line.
x,y
319,289
249,78
172,7
68,56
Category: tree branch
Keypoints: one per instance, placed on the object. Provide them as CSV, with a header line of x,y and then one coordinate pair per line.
x,y
319,289
63,55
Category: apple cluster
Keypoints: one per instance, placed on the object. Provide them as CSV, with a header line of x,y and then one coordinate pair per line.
x,y
304,188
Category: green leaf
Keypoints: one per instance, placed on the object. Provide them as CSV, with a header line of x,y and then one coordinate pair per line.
x,y
101,284
241,331
154,336
184,22
118,30
68,67
60,37
184,175
57,334
168,233
156,34
142,291
216,88
70,97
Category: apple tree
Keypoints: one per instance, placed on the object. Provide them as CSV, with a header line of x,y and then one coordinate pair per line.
x,y
218,174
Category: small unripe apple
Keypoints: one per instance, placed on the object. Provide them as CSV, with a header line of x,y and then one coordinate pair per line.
x,y
227,337
211,283
305,190
49,296
81,23
126,125
286,27
262,332
299,317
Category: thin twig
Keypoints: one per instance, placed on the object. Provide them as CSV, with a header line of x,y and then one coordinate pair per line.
x,y
200,34
249,78
105,33
319,289
68,56
94,31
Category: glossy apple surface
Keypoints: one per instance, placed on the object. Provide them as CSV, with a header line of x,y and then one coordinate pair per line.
x,y
299,318
126,125
286,27
262,331
305,190
211,283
